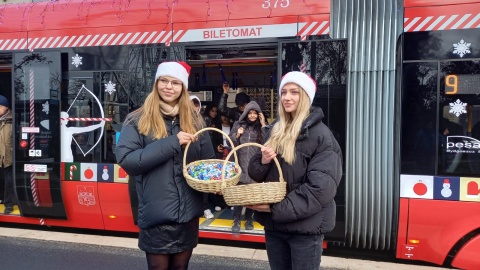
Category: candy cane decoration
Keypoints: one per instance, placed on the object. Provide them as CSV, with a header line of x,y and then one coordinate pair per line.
x,y
86,119
72,168
33,182
303,67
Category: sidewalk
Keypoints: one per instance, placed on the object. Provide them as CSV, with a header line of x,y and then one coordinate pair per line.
x,y
202,249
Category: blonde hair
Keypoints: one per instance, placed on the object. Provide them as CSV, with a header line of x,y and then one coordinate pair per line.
x,y
150,120
285,132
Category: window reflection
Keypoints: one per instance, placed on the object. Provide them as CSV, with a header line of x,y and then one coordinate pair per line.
x,y
419,111
459,124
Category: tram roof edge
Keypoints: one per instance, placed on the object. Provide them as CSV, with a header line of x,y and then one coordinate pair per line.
x,y
73,14
427,3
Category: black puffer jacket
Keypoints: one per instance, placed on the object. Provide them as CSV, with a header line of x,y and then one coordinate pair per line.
x,y
250,134
312,181
163,193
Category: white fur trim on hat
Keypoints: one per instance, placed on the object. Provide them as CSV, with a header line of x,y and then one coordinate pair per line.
x,y
178,70
303,80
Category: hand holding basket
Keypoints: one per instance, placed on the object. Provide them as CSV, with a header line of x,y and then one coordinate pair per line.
x,y
252,194
211,186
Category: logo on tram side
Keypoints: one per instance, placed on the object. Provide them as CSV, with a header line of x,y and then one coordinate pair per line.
x,y
86,195
462,144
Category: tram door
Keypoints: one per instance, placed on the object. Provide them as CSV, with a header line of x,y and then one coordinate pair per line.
x,y
326,62
37,80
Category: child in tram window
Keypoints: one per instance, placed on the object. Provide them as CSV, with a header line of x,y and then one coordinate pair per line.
x,y
311,161
250,127
151,147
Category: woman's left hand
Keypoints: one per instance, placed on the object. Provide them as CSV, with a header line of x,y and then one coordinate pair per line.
x,y
260,207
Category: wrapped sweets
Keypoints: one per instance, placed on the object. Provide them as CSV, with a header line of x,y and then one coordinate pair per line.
x,y
211,171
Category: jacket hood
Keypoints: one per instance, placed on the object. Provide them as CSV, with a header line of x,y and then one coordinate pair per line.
x,y
252,105
316,115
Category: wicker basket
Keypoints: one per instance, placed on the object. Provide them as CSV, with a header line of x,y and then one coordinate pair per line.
x,y
252,194
210,186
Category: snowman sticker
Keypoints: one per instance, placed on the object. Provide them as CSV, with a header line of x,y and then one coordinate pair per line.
x,y
446,191
105,175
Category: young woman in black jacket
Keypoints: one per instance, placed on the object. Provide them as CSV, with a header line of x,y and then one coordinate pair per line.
x,y
151,149
311,162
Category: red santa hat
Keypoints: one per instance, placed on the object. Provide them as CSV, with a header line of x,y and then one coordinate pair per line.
x,y
178,70
301,79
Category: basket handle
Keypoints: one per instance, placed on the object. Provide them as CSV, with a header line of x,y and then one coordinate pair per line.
x,y
203,130
234,150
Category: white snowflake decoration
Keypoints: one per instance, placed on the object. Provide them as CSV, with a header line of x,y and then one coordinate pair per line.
x,y
458,107
110,87
46,107
77,60
461,48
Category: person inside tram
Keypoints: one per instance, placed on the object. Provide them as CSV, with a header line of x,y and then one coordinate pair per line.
x,y
241,100
226,128
196,103
208,116
150,148
311,161
212,119
6,154
249,128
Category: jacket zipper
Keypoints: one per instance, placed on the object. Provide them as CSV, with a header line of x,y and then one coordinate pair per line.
x,y
178,191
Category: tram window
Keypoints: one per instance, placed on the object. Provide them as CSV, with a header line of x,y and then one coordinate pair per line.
x,y
36,86
97,104
459,124
419,112
439,44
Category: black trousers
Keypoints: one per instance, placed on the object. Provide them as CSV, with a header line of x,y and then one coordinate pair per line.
x,y
9,194
237,213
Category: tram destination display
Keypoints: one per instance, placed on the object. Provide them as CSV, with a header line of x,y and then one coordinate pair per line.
x,y
462,84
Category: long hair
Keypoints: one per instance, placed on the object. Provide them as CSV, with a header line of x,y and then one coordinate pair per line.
x,y
285,132
150,117
217,121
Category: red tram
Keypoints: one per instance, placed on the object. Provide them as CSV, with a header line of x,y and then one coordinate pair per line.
x,y
74,69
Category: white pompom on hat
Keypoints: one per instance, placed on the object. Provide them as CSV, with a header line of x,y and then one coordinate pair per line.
x,y
178,70
303,80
